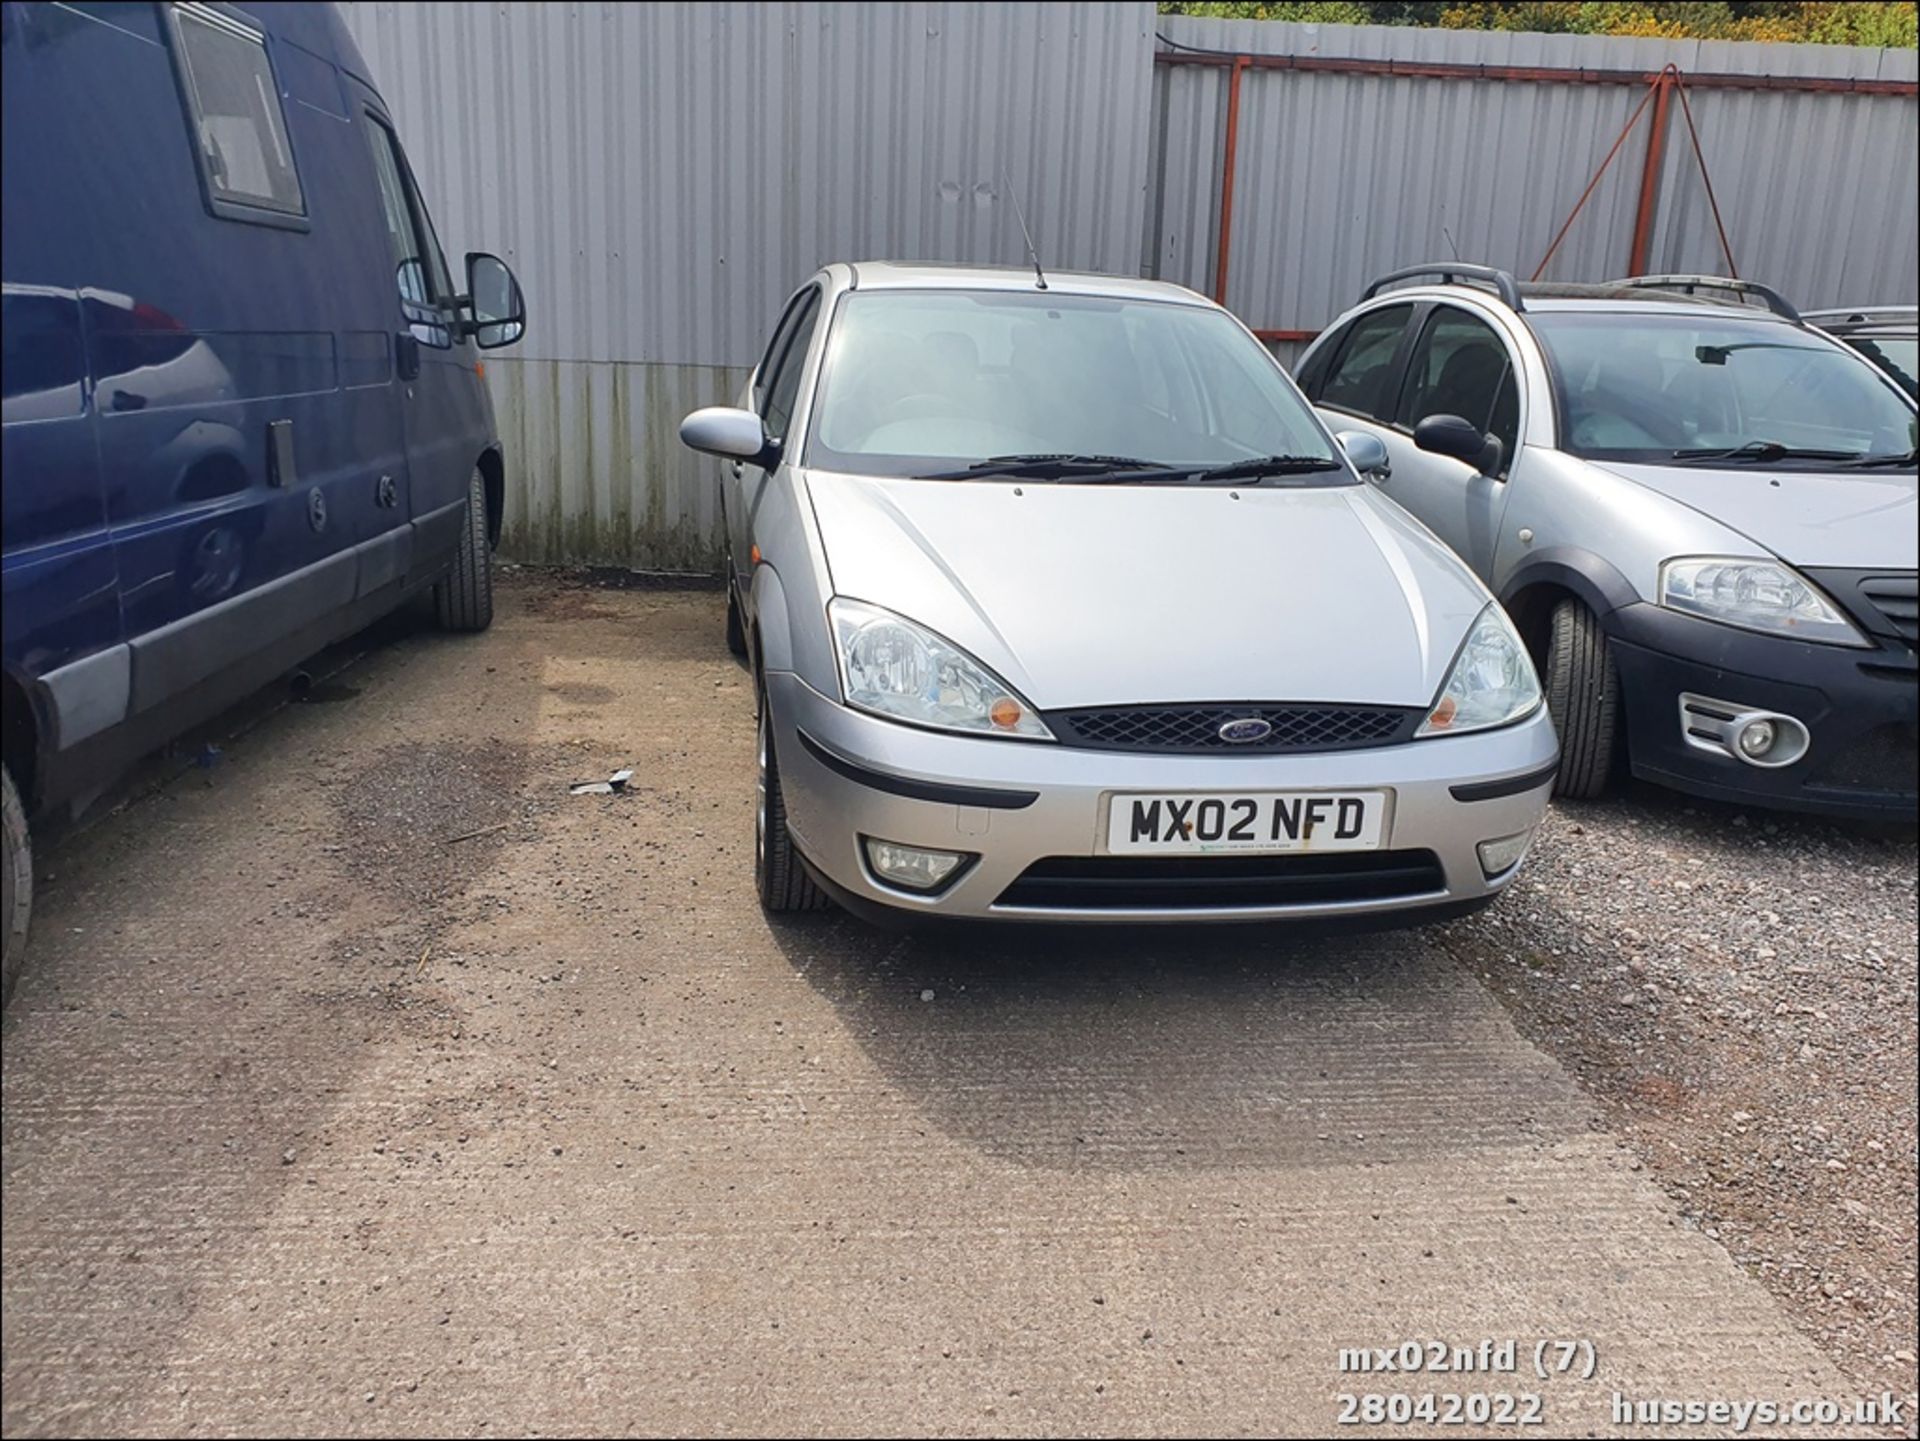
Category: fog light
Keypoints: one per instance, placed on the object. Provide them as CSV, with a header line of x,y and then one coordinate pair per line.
x,y
1757,737
1503,854
911,867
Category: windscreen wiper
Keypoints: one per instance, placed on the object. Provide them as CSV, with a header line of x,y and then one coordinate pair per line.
x,y
1251,469
1763,452
1047,466
1867,462
1265,465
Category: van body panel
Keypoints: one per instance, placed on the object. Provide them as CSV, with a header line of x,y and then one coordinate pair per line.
x,y
229,438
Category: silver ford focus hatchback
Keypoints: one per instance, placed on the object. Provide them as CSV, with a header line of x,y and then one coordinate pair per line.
x,y
1062,604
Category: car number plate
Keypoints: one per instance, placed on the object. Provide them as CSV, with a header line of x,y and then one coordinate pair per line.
x,y
1209,822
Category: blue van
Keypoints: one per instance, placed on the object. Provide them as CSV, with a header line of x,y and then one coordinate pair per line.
x,y
244,413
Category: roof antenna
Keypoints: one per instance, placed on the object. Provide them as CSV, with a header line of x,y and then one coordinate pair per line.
x,y
1039,276
1450,245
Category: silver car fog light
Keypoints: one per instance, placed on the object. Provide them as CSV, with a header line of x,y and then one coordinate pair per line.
x,y
913,868
1502,855
1759,737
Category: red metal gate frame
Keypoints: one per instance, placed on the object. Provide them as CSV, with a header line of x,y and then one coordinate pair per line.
x,y
1661,86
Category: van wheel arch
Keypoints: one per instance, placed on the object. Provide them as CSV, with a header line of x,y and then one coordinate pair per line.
x,y
20,739
493,470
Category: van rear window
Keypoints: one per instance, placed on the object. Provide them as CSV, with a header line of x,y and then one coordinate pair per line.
x,y
240,129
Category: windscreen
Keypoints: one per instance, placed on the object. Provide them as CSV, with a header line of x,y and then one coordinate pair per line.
x,y
1640,387
922,381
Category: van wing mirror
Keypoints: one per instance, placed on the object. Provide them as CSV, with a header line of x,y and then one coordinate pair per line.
x,y
498,312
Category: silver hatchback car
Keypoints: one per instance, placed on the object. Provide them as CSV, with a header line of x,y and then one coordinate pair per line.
x,y
1063,605
1700,512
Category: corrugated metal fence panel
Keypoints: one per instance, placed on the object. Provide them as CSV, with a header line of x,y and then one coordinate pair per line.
x,y
1820,194
663,176
1341,178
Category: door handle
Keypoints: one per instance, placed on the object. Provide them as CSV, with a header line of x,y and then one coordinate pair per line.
x,y
406,357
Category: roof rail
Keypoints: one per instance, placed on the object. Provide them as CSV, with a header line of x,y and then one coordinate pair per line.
x,y
1693,284
1861,315
1450,273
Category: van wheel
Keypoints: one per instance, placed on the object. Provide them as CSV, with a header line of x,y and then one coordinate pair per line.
x,y
16,886
736,627
1583,696
464,600
783,883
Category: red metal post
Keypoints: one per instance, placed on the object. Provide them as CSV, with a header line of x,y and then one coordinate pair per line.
x,y
1650,176
1240,64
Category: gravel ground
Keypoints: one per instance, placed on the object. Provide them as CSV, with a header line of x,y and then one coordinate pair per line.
x,y
1738,991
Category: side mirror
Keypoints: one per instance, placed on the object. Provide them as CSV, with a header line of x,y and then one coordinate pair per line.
x,y
728,433
1461,439
1367,452
493,295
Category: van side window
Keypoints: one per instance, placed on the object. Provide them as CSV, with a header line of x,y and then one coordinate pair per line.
x,y
419,271
239,128
1357,379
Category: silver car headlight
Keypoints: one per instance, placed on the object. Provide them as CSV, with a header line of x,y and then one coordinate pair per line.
x,y
1492,683
1762,595
895,668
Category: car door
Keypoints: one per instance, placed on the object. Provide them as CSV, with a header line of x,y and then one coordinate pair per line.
x,y
1458,365
435,361
776,387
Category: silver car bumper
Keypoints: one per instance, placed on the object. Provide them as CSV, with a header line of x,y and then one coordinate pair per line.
x,y
848,775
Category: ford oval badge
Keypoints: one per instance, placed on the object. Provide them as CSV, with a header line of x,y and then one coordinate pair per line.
x,y
1245,731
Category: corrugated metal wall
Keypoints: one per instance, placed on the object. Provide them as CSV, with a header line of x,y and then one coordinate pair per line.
x,y
662,176
1343,177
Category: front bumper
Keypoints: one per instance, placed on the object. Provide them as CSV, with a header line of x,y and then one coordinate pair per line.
x,y
1023,803
1861,709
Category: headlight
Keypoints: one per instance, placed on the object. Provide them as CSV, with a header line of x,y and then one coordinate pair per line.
x,y
895,668
1492,682
1761,595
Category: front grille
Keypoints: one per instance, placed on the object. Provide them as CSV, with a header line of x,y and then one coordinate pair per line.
x,y
1111,883
1885,761
1884,604
1897,597
1194,729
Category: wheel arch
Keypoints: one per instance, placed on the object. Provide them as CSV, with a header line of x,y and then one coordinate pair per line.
x,y
1534,589
20,732
493,472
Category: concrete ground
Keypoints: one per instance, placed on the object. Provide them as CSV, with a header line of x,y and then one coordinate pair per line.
x,y
368,1082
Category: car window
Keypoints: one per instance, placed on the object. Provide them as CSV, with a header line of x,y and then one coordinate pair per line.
x,y
1460,366
1898,355
418,271
776,346
240,132
921,381
784,386
1357,379
1639,386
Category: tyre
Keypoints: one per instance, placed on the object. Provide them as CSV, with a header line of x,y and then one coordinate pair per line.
x,y
464,600
16,885
736,627
1583,696
778,875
